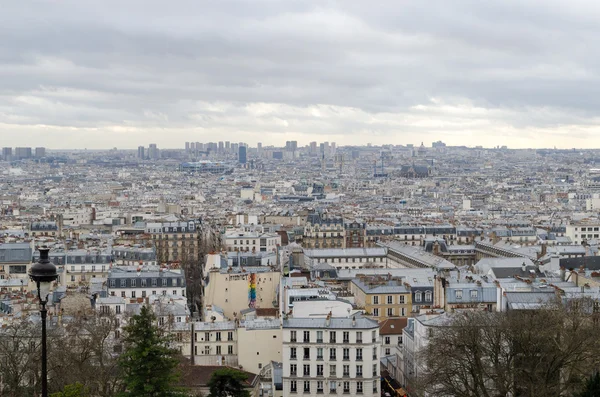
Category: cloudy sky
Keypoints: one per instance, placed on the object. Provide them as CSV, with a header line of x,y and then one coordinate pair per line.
x,y
101,74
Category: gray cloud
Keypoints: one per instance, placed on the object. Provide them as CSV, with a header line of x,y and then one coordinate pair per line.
x,y
468,72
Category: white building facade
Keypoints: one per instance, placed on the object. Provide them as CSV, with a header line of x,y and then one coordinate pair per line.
x,y
331,356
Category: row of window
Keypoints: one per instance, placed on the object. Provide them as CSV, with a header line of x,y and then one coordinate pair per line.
x,y
333,372
402,298
589,229
306,337
144,282
332,353
134,295
346,386
353,260
391,312
217,336
218,350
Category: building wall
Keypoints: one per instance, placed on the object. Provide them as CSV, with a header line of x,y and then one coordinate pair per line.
x,y
258,347
229,291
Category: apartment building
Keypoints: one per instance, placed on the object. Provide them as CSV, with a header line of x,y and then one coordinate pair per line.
x,y
582,232
251,241
176,241
331,356
215,343
132,282
382,297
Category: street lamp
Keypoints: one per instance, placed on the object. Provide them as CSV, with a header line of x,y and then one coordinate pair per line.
x,y
43,273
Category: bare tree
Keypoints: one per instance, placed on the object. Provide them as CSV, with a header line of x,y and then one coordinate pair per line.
x,y
549,351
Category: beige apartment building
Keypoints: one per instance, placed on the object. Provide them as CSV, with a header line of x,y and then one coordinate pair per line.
x,y
382,297
229,289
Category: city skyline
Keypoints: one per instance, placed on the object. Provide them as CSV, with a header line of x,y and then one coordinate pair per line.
x,y
504,73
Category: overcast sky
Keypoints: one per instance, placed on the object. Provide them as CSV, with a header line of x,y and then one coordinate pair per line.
x,y
102,74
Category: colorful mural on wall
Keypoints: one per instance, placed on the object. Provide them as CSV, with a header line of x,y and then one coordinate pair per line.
x,y
252,290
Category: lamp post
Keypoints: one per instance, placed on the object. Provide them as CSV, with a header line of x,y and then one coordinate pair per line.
x,y
43,273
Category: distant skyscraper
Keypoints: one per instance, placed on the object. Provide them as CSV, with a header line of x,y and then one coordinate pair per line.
x,y
141,152
187,147
333,148
313,147
242,155
40,152
23,153
153,152
227,146
221,147
6,153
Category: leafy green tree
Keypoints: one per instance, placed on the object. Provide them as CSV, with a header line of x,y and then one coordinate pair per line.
x,y
228,382
74,390
148,362
591,387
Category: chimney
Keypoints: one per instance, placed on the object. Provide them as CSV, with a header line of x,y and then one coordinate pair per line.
x,y
354,321
524,267
328,320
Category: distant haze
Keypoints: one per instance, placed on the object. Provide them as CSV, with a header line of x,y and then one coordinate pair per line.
x,y
102,74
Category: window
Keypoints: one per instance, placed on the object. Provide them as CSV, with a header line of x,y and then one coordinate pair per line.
x,y
154,282
122,294
374,353
332,352
143,282
346,336
428,296
374,387
375,300
230,349
118,309
319,353
206,349
307,353
374,336
306,386
133,282
359,387
358,354
387,351
400,340
359,370
458,294
174,292
229,335
218,349
293,386
376,312
473,294
390,300
332,369
319,336
346,387
332,387
359,337
293,369
217,336
346,370
206,336
401,299
387,340
390,311
332,337
292,336
375,372
346,353
293,353
403,311
418,296
133,294
112,282
319,386
164,282
320,370
123,283
143,294
306,336
306,371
